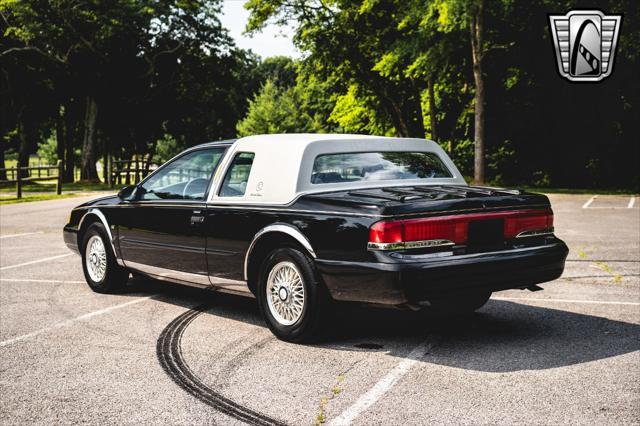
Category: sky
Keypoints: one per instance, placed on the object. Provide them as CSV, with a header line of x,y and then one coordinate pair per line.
x,y
272,41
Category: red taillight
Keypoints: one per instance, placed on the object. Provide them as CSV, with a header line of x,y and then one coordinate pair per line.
x,y
449,228
455,229
386,232
528,221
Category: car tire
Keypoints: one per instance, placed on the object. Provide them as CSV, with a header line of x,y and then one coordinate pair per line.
x,y
101,270
461,304
292,300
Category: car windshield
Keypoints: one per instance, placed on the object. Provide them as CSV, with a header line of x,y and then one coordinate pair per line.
x,y
367,166
185,178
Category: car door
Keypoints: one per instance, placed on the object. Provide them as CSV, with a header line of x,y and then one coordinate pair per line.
x,y
230,229
160,231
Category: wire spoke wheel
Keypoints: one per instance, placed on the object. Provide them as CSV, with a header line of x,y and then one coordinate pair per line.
x,y
285,293
96,258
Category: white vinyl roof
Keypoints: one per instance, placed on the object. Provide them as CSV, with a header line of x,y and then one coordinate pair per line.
x,y
283,163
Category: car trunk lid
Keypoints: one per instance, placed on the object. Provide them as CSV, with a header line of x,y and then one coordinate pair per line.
x,y
427,200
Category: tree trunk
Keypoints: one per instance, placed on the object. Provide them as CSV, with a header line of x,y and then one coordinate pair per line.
x,y
432,110
88,170
477,53
71,135
60,139
405,111
69,160
25,134
3,173
105,159
396,117
414,115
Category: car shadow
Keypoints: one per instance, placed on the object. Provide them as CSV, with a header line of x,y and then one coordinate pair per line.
x,y
503,336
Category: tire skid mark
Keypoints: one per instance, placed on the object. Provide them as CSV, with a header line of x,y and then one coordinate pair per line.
x,y
240,358
169,353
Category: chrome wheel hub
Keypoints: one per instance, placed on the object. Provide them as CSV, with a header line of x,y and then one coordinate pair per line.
x,y
285,293
96,258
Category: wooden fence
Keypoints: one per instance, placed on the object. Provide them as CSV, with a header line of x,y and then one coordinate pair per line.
x,y
36,173
121,172
127,172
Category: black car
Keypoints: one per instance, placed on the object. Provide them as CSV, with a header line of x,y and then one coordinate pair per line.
x,y
301,220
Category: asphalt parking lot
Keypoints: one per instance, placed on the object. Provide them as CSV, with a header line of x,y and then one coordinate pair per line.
x,y
166,354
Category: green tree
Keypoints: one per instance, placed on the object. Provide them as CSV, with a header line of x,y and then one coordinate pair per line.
x,y
344,41
470,15
356,113
282,70
392,52
26,94
121,73
275,110
431,50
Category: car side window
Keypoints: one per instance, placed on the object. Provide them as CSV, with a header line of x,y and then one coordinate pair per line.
x,y
235,181
185,178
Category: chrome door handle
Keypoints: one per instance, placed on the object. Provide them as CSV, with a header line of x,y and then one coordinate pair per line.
x,y
196,220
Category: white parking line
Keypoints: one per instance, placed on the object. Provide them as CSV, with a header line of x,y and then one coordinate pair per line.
x,y
632,201
28,280
589,201
60,256
71,320
383,386
20,235
592,302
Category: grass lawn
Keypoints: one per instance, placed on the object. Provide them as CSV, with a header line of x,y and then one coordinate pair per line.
x,y
33,161
50,186
36,197
46,190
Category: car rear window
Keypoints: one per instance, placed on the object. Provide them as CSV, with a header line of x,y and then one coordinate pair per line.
x,y
235,182
367,166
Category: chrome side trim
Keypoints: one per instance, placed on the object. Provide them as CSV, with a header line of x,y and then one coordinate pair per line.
x,y
410,245
227,285
244,292
285,229
103,219
525,234
223,285
156,203
170,274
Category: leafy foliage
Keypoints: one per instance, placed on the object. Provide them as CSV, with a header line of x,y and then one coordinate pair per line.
x,y
275,110
379,58
124,71
165,75
47,150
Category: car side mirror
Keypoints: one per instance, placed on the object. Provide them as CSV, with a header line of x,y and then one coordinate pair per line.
x,y
126,193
